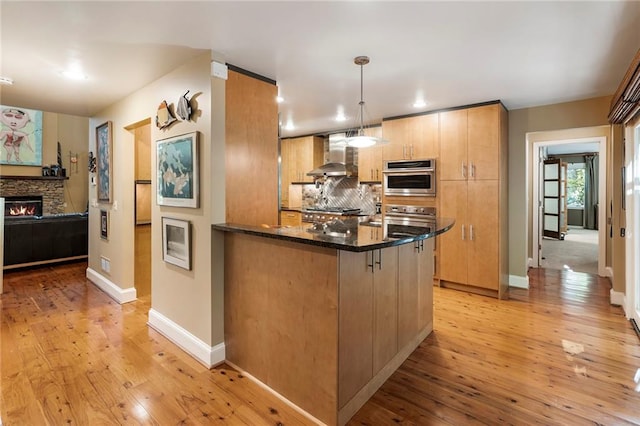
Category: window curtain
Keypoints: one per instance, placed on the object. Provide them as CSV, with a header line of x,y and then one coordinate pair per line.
x,y
591,191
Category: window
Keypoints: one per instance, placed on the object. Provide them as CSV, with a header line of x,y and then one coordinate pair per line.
x,y
575,185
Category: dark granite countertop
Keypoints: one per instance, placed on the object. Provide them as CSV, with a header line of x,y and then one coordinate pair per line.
x,y
361,239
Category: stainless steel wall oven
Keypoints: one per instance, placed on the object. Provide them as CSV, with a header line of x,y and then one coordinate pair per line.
x,y
410,177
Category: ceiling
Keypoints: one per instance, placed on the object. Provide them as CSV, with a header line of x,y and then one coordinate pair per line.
x,y
448,53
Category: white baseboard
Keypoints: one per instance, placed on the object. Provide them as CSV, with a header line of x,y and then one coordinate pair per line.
x,y
616,298
120,295
608,272
518,281
210,356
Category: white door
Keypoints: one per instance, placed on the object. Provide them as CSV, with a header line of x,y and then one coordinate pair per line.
x,y
552,197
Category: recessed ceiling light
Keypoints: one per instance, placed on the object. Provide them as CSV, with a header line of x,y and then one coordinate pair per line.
x,y
6,80
419,104
74,75
279,99
341,117
289,125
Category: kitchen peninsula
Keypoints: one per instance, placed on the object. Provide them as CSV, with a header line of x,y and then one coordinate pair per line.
x,y
324,320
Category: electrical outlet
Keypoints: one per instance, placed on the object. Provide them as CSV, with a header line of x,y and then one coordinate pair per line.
x,y
115,205
622,232
105,264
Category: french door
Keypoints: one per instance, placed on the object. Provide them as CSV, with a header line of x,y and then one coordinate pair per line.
x,y
554,197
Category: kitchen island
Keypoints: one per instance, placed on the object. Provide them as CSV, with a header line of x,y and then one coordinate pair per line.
x,y
324,320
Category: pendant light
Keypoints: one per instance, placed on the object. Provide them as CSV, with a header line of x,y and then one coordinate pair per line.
x,y
361,140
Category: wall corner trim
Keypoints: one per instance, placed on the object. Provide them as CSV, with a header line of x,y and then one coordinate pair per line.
x,y
120,295
210,356
616,298
519,282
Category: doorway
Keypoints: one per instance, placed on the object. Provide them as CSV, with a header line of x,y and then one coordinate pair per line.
x,y
142,212
578,216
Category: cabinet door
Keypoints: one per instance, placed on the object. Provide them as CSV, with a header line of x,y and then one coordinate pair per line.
x,y
452,244
289,218
287,166
483,235
423,136
355,335
309,151
370,164
484,142
385,307
453,145
408,294
425,280
395,131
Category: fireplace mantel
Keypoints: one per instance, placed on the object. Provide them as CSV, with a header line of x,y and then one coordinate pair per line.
x,y
11,177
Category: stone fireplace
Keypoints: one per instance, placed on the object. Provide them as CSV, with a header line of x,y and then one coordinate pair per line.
x,y
49,189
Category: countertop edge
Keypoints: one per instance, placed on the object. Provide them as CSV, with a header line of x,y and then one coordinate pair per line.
x,y
274,234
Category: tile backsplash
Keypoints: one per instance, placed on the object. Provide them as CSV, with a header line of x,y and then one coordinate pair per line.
x,y
343,192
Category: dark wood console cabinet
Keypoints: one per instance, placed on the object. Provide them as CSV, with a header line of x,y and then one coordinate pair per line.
x,y
33,241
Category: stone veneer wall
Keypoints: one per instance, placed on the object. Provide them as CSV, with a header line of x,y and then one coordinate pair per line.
x,y
52,191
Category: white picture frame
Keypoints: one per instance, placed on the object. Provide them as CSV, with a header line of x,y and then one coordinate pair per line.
x,y
176,242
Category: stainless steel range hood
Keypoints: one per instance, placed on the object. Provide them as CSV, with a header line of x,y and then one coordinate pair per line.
x,y
341,159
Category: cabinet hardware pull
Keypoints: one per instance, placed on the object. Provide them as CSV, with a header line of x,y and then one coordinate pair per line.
x,y
470,232
421,245
462,232
464,170
370,265
411,152
377,174
473,170
379,263
416,246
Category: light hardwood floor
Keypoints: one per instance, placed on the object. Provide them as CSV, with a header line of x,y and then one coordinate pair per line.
x,y
556,354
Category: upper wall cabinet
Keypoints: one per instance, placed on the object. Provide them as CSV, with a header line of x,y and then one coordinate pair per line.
x,y
411,137
370,160
470,143
299,156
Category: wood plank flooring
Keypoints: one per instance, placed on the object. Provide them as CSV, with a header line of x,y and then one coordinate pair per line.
x,y
555,354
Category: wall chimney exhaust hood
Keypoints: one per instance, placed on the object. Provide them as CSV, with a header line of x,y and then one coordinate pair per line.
x,y
341,159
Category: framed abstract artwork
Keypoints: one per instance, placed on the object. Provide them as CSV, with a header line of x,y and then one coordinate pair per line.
x,y
104,224
20,136
177,171
104,148
176,242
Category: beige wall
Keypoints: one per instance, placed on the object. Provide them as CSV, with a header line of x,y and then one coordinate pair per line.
x,y
72,132
569,120
184,297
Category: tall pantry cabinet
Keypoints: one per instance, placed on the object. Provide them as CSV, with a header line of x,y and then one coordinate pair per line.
x,y
473,190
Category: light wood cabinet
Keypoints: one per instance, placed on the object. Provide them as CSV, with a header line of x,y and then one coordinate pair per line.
x,y
290,218
298,157
473,190
370,164
415,292
470,143
411,137
368,314
370,159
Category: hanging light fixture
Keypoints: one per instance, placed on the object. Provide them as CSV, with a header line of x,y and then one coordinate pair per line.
x,y
360,139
